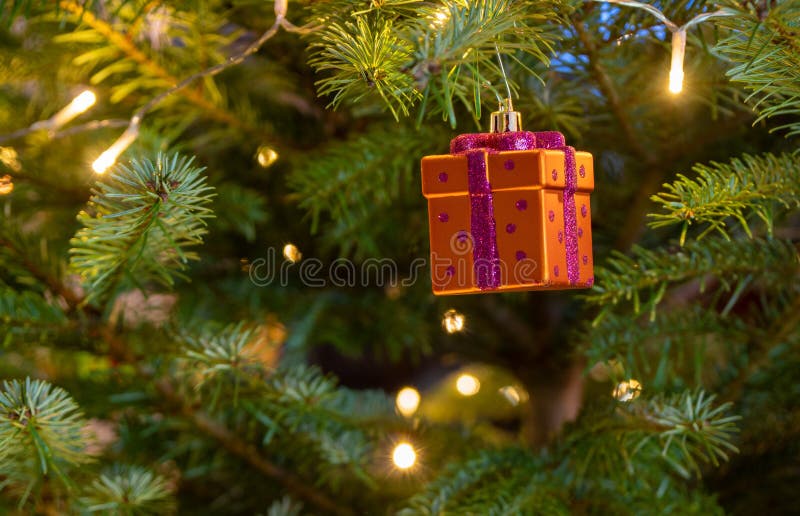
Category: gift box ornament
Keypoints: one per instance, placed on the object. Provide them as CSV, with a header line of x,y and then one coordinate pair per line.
x,y
509,210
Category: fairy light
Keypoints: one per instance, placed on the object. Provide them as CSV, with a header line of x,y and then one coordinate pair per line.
x,y
678,35
452,321
404,456
467,385
79,104
292,253
266,156
109,157
676,70
407,401
627,391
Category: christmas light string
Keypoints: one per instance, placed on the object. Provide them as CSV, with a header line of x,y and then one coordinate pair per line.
x,y
678,35
87,99
109,157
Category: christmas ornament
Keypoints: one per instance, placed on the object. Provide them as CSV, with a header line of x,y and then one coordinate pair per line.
x,y
509,210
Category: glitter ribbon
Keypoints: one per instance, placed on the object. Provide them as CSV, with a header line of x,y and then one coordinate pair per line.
x,y
482,222
555,140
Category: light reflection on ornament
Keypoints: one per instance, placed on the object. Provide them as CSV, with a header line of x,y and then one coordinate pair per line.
x,y
407,401
452,321
627,391
467,385
6,185
513,394
292,253
404,456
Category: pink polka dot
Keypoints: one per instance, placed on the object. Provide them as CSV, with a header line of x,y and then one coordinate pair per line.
x,y
555,271
510,228
521,204
443,177
584,210
509,164
462,237
551,215
582,171
554,174
444,217
585,259
521,255
580,232
560,237
451,271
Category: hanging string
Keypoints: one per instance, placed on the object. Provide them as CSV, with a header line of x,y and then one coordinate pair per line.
x,y
503,72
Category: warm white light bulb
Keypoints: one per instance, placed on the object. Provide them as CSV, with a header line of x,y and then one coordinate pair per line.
x,y
78,105
109,157
452,321
467,385
404,456
84,101
407,401
676,68
292,253
104,162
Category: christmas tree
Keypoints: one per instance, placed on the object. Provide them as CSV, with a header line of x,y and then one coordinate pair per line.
x,y
214,288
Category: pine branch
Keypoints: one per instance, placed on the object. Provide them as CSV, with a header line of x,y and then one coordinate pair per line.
x,y
18,257
438,53
240,209
129,490
644,276
681,431
339,181
150,67
779,332
250,454
457,47
651,350
765,50
28,314
747,188
364,58
691,429
145,216
41,431
462,487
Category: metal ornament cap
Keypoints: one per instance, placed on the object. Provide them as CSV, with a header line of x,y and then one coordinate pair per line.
x,y
505,119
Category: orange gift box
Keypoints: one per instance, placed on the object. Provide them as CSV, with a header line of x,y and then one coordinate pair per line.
x,y
509,211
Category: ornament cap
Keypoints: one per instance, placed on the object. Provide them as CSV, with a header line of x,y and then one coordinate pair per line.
x,y
505,119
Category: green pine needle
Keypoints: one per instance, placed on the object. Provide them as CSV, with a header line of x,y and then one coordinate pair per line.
x,y
747,188
139,223
129,490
